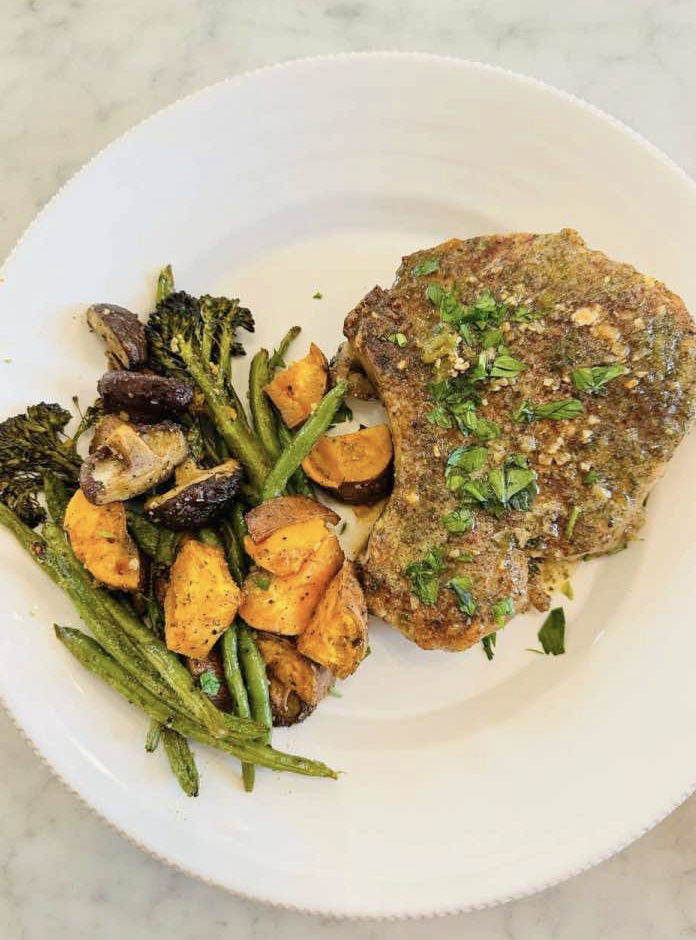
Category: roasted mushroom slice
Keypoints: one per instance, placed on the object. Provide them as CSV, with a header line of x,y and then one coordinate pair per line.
x,y
122,332
141,395
201,497
127,459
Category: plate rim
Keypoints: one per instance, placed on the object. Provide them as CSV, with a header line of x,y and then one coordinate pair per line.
x,y
384,914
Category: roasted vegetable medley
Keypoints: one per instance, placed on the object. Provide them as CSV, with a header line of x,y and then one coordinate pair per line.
x,y
189,538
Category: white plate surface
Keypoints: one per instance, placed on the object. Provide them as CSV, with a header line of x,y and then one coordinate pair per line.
x,y
466,782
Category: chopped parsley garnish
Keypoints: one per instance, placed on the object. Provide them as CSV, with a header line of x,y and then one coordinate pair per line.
x,y
492,338
510,486
428,266
572,519
502,610
344,526
525,315
317,295
335,692
459,520
469,422
591,478
343,413
595,379
262,582
560,410
440,417
398,339
552,633
461,587
423,576
209,682
441,345
506,367
523,413
105,535
488,643
470,459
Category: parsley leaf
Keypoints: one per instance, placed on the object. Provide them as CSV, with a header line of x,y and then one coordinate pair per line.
x,y
461,586
398,339
209,682
525,315
459,520
439,416
552,633
491,338
423,576
105,535
488,643
596,378
502,610
559,410
428,266
469,422
523,413
470,459
262,582
317,295
506,367
590,478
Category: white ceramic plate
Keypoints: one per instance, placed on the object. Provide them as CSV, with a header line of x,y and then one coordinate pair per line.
x,y
466,782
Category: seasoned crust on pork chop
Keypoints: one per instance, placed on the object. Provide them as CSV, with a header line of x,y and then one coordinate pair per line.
x,y
597,468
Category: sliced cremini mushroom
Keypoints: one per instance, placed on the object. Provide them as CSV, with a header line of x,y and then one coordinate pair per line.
x,y
122,332
142,395
126,459
200,497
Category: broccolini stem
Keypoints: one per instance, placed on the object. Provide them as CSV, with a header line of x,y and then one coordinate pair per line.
x,y
165,283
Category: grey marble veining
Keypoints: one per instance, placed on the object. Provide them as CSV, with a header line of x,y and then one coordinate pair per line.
x,y
76,73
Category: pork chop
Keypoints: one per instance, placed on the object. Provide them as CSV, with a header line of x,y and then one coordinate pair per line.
x,y
535,390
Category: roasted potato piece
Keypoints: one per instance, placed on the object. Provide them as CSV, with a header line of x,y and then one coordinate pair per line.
x,y
288,548
212,662
298,390
143,396
262,521
100,539
285,604
122,332
337,633
201,600
128,459
356,468
283,661
287,708
202,497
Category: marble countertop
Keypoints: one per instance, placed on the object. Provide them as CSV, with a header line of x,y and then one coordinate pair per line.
x,y
76,73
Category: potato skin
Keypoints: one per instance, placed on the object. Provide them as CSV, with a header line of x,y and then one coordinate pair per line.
x,y
201,600
285,604
336,636
99,537
262,521
142,395
196,502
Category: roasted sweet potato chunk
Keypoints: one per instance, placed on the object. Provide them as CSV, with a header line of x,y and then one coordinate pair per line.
x,y
296,391
262,521
308,680
355,467
285,604
100,539
337,633
201,600
288,548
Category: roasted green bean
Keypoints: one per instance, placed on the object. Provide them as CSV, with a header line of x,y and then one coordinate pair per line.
x,y
238,691
181,761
